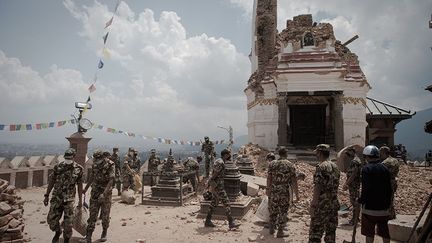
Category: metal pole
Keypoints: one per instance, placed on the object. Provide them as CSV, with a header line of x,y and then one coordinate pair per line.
x,y
181,189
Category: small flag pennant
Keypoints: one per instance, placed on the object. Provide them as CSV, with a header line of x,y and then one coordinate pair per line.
x,y
91,89
109,22
105,37
106,53
101,64
12,128
2,127
28,126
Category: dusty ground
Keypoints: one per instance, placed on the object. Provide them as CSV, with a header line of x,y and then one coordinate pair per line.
x,y
165,224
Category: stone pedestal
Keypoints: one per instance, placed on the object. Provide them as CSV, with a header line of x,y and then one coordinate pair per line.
x,y
245,165
239,203
79,142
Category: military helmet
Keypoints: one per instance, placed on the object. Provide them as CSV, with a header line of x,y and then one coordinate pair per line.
x,y
371,151
97,153
69,153
207,195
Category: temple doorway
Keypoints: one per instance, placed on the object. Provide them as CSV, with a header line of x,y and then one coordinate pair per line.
x,y
307,124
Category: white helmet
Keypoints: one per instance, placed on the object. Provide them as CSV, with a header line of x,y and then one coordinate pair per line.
x,y
371,150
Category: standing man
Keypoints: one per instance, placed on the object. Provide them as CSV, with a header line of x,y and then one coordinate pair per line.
x,y
116,159
153,162
192,165
428,158
217,188
375,196
208,149
101,180
324,205
65,176
281,176
127,172
353,182
392,165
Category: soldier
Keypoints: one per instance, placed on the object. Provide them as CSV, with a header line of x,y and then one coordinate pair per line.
x,y
353,182
392,165
217,188
153,162
428,158
101,180
324,205
116,159
192,165
208,149
65,176
281,176
127,171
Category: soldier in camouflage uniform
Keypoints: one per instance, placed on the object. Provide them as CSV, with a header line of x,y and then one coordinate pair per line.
x,y
65,176
116,159
127,171
324,205
392,165
153,162
101,180
281,176
217,188
208,149
192,165
353,183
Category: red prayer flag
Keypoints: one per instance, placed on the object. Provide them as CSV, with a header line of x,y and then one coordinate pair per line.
x,y
12,127
109,22
92,88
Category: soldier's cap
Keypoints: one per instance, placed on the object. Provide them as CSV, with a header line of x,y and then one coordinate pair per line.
x,y
206,137
97,153
131,149
225,151
115,149
69,153
385,149
199,157
270,156
152,150
322,147
106,153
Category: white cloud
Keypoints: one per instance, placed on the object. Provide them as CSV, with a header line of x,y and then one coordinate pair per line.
x,y
393,46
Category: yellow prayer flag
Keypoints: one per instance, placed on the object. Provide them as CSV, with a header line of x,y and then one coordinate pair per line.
x,y
106,53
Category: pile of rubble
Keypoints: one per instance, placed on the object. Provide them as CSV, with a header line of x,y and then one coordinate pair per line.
x,y
11,214
413,184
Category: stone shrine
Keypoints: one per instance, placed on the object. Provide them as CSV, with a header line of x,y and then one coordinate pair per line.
x,y
245,165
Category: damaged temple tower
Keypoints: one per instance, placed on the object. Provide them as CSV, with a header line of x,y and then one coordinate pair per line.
x,y
306,87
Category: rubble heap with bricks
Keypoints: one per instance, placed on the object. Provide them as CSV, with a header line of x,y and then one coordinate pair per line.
x,y
11,214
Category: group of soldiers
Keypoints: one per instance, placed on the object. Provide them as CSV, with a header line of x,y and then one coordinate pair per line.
x,y
282,178
107,172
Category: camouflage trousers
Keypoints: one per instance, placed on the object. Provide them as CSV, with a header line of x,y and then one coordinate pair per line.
x,y
57,209
354,194
220,195
192,179
105,209
208,160
278,206
392,208
323,221
128,182
153,179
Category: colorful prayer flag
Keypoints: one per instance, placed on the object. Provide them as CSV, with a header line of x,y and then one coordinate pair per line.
x,y
38,126
105,37
101,64
106,53
29,127
109,22
91,89
2,127
51,124
12,127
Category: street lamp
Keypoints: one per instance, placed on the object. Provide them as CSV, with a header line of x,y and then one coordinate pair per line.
x,y
230,133
83,123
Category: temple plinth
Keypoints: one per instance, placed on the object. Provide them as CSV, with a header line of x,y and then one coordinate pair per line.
x,y
245,165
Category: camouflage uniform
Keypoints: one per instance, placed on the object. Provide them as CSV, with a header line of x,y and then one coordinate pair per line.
x,y
64,177
392,165
191,165
325,217
282,174
127,176
219,192
354,187
102,172
117,181
208,149
153,163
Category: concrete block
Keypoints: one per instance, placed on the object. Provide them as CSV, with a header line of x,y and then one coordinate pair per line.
x,y
260,181
252,189
17,161
400,228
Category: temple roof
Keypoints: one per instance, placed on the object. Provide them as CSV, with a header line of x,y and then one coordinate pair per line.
x,y
380,109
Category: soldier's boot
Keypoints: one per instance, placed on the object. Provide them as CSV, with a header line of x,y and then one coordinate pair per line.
x,y
56,237
103,235
271,229
281,233
231,223
66,240
208,222
88,237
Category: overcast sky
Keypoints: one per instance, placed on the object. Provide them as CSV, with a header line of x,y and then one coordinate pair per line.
x,y
178,68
